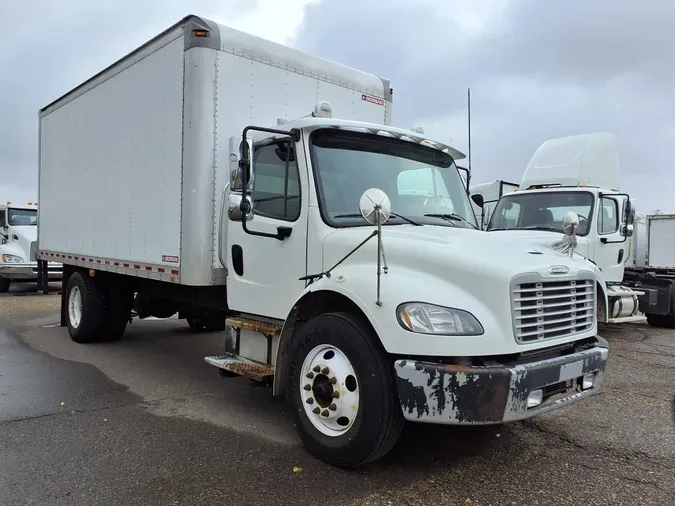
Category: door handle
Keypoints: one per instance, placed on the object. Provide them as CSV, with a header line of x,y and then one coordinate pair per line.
x,y
283,232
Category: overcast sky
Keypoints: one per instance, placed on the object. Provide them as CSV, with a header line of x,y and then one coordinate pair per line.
x,y
537,70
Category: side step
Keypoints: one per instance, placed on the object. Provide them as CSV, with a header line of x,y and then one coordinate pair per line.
x,y
265,328
248,368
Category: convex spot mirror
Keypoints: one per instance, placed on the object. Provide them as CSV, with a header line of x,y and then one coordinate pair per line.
x,y
375,206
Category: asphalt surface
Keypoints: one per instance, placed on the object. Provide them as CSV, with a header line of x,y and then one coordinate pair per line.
x,y
146,421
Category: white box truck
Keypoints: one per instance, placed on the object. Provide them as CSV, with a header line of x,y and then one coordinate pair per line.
x,y
192,177
18,238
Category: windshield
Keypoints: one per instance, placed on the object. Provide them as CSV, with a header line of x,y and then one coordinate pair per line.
x,y
420,181
17,217
541,211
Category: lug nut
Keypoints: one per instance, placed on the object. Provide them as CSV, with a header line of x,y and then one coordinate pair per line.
x,y
333,380
324,412
336,395
325,370
307,387
316,369
310,401
332,407
316,411
310,375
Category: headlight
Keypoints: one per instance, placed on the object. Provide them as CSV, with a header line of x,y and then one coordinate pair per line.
x,y
430,319
12,259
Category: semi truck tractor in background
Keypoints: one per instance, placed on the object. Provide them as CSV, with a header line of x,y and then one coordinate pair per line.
x,y
18,236
207,174
581,174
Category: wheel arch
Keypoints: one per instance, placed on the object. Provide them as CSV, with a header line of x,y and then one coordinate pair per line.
x,y
311,304
602,300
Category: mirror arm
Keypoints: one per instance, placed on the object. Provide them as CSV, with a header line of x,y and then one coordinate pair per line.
x,y
245,165
312,277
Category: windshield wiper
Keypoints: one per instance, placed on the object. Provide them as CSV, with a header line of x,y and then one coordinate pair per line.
x,y
533,227
357,215
541,227
450,217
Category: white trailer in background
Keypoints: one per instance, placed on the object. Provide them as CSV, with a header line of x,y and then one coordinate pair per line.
x,y
490,192
193,177
653,269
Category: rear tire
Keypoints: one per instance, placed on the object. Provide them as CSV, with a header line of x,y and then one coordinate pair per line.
x,y
370,422
196,324
84,309
118,302
4,285
209,324
666,321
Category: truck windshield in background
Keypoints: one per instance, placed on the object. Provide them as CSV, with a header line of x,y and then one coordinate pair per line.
x,y
420,181
18,217
542,211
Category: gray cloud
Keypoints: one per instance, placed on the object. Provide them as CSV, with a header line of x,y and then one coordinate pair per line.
x,y
51,47
536,69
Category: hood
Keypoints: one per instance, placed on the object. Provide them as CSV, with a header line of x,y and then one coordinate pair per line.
x,y
458,251
20,239
543,238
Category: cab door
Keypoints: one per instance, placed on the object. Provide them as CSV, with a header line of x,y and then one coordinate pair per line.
x,y
263,272
612,249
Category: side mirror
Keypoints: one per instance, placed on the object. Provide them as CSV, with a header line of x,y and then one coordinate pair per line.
x,y
241,164
628,230
478,199
629,213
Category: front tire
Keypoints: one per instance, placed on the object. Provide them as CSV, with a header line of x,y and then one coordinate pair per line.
x,y
333,354
4,285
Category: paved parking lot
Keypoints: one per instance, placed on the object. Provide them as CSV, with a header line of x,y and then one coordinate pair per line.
x,y
146,421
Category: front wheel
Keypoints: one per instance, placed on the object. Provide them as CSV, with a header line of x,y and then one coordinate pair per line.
x,y
342,392
4,285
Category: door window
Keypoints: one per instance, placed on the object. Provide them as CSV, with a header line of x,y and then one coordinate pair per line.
x,y
276,191
608,221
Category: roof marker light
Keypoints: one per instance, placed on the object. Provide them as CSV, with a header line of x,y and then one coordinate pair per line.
x,y
322,109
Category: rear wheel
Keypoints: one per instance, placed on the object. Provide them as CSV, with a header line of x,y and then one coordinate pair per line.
x,y
209,324
342,392
118,303
4,285
84,309
664,320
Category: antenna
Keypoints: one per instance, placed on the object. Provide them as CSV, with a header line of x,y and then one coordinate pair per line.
x,y
468,103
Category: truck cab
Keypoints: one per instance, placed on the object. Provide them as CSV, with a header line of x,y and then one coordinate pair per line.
x,y
577,174
425,295
18,234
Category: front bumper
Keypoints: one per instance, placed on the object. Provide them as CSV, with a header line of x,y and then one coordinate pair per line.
x,y
467,395
28,272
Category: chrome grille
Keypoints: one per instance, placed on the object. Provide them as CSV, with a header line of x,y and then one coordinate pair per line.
x,y
545,309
